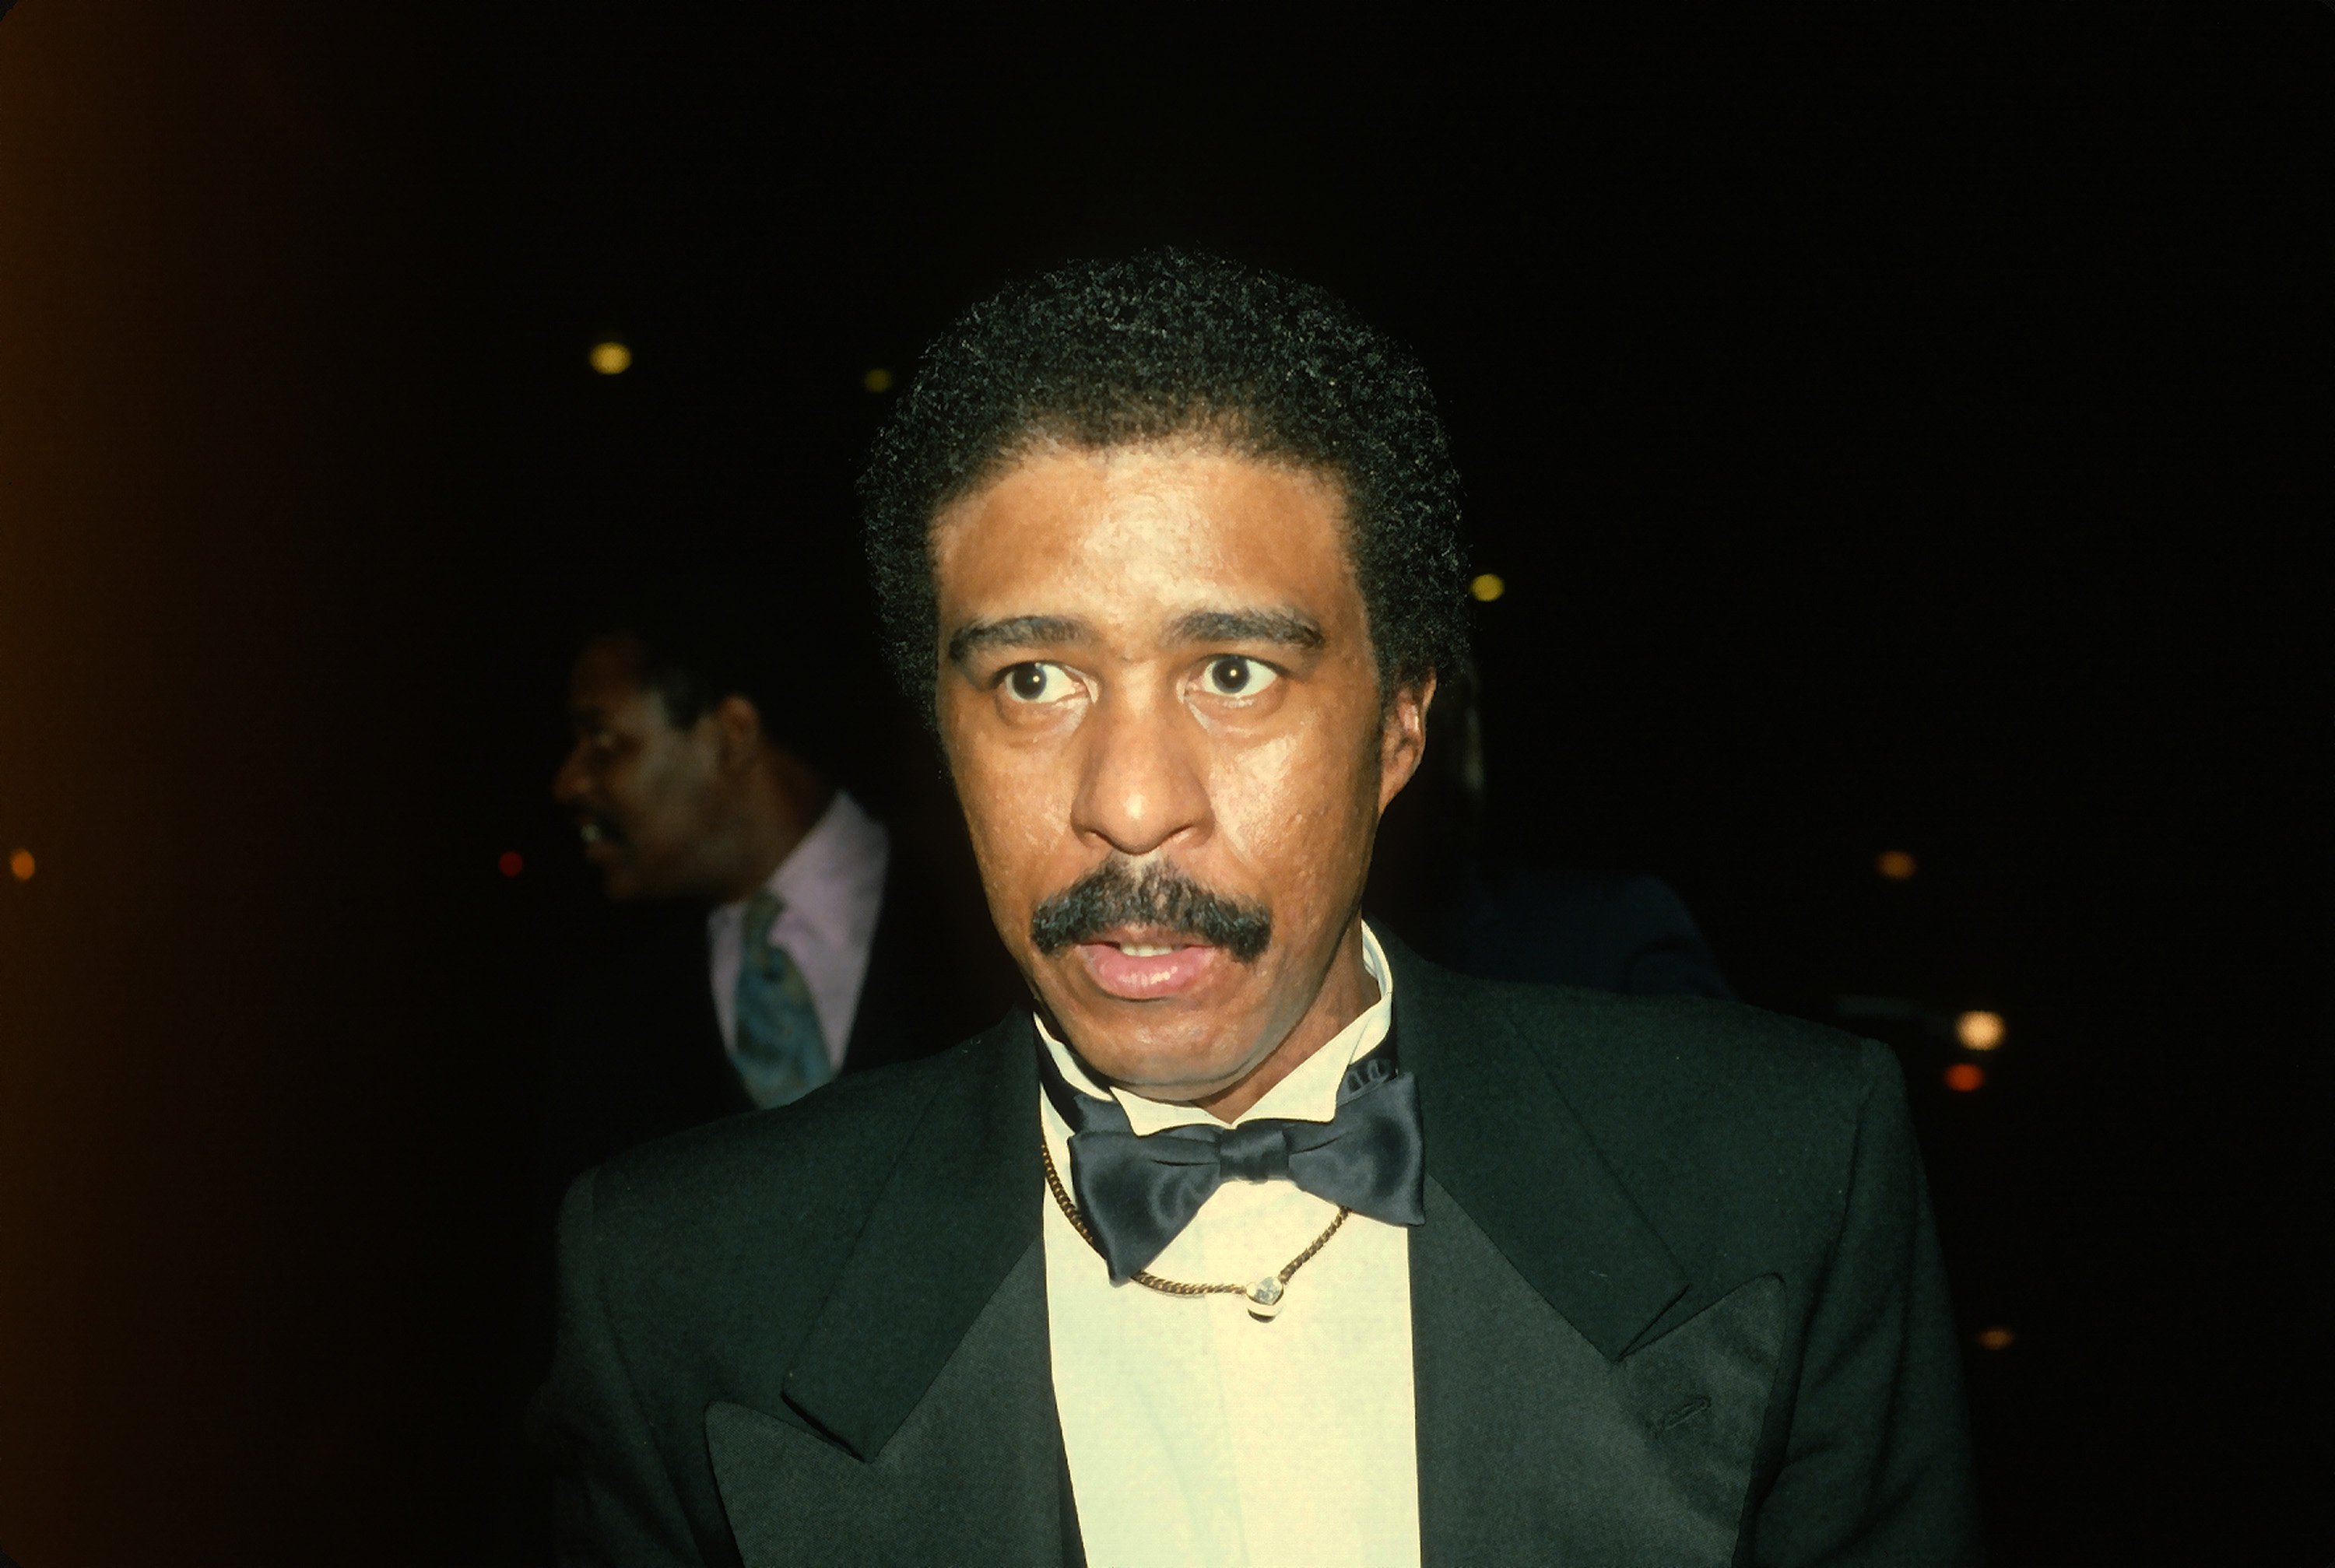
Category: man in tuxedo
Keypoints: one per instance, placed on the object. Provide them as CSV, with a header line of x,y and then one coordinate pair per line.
x,y
775,934
1256,1238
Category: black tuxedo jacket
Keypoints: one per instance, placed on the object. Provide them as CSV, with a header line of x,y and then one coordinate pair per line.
x,y
1676,1301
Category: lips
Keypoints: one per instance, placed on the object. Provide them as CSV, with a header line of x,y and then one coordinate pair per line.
x,y
1148,966
599,836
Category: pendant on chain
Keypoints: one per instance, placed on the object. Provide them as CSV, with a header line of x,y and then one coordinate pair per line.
x,y
1264,1297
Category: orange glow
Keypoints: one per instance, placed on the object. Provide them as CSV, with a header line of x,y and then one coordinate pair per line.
x,y
610,358
1896,864
1965,1076
1980,1031
509,864
21,864
878,380
1996,1339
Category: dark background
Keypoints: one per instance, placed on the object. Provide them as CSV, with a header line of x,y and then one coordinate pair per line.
x,y
1904,431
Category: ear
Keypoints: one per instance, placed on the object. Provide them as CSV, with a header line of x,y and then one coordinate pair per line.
x,y
1402,737
738,732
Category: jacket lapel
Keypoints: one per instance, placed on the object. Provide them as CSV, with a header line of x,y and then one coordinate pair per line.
x,y
926,1373
959,1211
1533,1280
971,1475
1510,1152
1534,1446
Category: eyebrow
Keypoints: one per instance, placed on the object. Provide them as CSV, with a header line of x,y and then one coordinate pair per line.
x,y
1273,626
1015,632
1287,628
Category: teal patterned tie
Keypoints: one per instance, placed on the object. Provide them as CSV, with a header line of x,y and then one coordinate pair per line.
x,y
780,1054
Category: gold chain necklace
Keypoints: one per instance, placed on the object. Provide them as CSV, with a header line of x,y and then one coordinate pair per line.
x,y
1263,1295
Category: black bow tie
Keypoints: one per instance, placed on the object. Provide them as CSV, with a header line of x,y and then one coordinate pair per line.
x,y
1137,1192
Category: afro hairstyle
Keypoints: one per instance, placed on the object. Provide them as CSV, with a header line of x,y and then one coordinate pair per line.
x,y
1162,345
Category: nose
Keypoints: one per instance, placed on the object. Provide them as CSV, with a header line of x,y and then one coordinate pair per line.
x,y
1142,785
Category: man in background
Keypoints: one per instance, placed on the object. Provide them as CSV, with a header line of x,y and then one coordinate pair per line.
x,y
766,932
785,934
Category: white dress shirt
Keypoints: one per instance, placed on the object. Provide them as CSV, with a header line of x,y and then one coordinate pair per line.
x,y
832,887
1198,1435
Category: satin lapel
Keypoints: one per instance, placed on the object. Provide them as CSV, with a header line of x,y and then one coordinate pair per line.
x,y
1507,1149
1533,1275
957,1215
974,1475
1534,1447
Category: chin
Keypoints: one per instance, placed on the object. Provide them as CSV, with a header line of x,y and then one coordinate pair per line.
x,y
1196,1053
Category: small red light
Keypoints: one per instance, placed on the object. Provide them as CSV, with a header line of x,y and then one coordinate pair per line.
x,y
1965,1076
509,864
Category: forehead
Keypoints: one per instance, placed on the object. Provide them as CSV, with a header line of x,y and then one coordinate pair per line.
x,y
1126,535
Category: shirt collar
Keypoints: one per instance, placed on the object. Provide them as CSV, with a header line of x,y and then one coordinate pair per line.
x,y
845,847
1310,1093
840,844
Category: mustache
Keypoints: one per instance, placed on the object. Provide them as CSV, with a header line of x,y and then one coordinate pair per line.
x,y
1112,896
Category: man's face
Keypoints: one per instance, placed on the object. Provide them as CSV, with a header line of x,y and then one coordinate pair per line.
x,y
645,793
1158,698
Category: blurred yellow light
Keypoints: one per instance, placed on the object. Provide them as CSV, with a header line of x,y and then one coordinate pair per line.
x,y
20,864
610,358
1487,587
1996,1339
1980,1031
878,380
1896,864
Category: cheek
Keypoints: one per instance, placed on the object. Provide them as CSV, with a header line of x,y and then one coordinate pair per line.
x,y
661,794
1017,814
628,787
1298,812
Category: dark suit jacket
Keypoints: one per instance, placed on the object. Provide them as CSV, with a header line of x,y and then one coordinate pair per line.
x,y
638,1052
1676,1301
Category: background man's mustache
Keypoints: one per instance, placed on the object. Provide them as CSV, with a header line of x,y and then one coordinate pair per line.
x,y
1112,896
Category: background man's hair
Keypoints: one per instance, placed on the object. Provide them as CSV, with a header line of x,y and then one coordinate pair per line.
x,y
706,636
1110,354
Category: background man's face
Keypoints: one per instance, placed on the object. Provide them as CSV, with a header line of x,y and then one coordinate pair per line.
x,y
642,791
1157,666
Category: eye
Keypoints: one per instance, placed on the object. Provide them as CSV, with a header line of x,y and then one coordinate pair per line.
x,y
1035,683
1234,676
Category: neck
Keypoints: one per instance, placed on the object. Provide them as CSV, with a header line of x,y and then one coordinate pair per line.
x,y
1347,992
783,802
